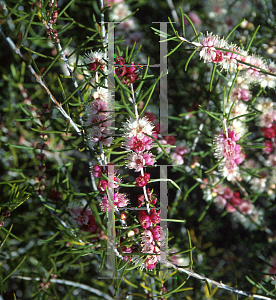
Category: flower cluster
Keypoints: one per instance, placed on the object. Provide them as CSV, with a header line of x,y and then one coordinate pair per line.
x,y
81,218
231,57
267,118
178,154
150,244
128,74
98,117
137,132
231,201
230,153
119,200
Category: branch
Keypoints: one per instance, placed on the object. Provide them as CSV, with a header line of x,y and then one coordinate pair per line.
x,y
213,282
71,283
41,82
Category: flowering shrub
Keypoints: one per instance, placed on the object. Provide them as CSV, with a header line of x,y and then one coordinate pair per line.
x,y
129,168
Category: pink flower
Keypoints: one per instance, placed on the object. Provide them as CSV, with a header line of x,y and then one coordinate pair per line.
x,y
233,55
219,56
236,200
120,71
138,161
246,207
145,221
139,145
120,60
94,60
170,139
269,147
151,197
156,232
209,41
105,205
269,132
220,201
181,150
151,262
135,161
155,217
147,248
141,181
149,159
120,200
141,213
245,95
97,171
147,236
229,148
228,194
194,18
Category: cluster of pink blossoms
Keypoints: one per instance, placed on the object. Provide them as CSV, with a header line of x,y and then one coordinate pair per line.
x,y
178,153
127,74
214,49
230,152
150,236
119,200
231,201
266,119
137,132
224,197
150,244
227,60
138,143
82,219
98,119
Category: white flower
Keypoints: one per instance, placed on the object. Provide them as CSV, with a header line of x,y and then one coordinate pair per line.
x,y
92,57
177,159
229,170
239,127
135,161
138,127
258,184
263,103
120,12
239,108
269,80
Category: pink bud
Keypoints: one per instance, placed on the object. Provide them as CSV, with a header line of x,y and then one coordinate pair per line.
x,y
102,186
141,181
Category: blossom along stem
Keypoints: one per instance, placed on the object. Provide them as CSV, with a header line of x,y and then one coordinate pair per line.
x,y
41,82
142,170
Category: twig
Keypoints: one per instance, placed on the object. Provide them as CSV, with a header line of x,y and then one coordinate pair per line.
x,y
64,58
41,82
71,283
172,8
213,282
